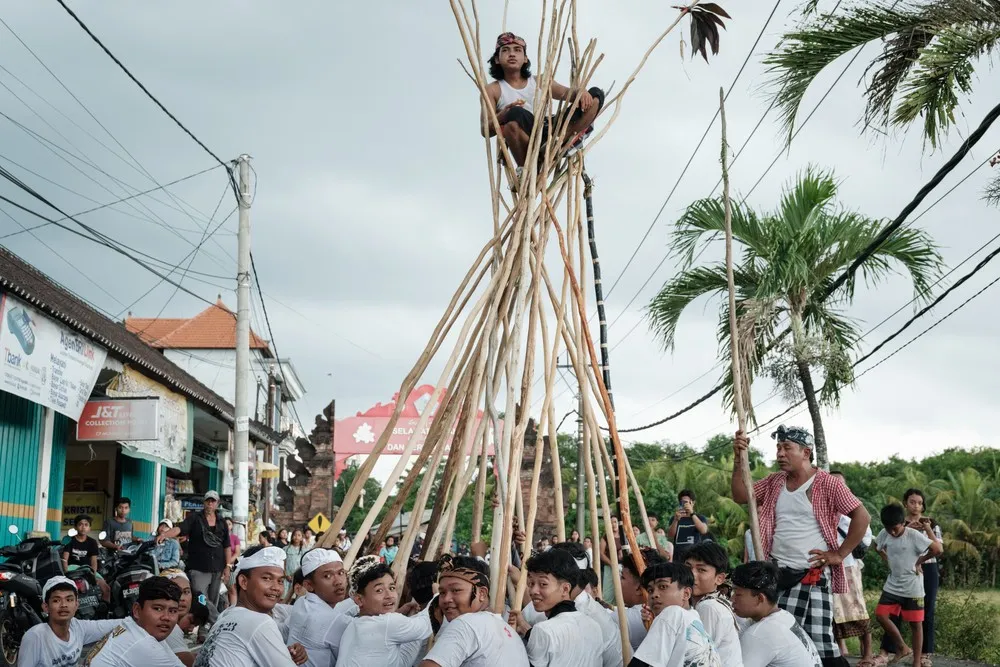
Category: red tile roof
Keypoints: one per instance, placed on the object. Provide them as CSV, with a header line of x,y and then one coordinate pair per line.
x,y
212,328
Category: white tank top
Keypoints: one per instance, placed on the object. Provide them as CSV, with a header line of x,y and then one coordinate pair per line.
x,y
796,530
509,95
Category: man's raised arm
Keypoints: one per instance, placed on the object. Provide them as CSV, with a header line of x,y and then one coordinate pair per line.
x,y
740,445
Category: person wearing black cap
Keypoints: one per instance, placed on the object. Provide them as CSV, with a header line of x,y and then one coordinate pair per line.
x,y
209,552
799,509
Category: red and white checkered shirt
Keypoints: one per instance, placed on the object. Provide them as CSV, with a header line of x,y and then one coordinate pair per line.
x,y
830,499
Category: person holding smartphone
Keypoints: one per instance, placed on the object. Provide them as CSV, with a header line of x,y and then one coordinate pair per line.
x,y
687,527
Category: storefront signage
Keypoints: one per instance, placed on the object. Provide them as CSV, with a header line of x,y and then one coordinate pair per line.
x,y
89,503
44,361
175,421
114,420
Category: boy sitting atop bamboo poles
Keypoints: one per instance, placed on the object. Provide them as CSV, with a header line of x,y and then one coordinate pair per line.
x,y
513,97
567,637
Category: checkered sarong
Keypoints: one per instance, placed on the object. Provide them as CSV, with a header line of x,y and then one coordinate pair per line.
x,y
812,607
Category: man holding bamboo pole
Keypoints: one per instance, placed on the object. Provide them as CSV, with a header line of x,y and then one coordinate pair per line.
x,y
800,509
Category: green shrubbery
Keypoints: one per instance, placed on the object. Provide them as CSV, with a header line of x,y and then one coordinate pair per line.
x,y
966,626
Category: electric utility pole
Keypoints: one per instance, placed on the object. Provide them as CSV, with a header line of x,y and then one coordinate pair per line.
x,y
241,446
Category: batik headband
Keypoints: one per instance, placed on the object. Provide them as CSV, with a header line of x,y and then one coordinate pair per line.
x,y
796,434
447,568
510,38
360,567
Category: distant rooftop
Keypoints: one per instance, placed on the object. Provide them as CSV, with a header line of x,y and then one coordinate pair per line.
x,y
212,329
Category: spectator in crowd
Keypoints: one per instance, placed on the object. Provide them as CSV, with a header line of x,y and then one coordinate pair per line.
x,y
663,544
574,536
168,552
293,558
915,504
235,545
389,550
799,509
282,539
210,555
61,638
905,549
309,538
588,544
774,638
118,530
850,612
343,541
687,528
608,592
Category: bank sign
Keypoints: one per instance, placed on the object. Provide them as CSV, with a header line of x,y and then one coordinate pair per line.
x,y
45,362
119,419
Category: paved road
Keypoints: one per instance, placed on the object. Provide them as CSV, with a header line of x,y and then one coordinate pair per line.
x,y
942,662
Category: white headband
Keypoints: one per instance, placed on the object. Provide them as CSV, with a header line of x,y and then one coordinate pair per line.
x,y
56,581
583,562
175,574
266,557
317,558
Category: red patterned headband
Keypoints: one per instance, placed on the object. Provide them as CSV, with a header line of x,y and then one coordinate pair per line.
x,y
510,38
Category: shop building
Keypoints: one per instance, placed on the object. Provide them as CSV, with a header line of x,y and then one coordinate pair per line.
x,y
89,412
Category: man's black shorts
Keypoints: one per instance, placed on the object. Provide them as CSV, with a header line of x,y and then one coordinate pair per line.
x,y
526,119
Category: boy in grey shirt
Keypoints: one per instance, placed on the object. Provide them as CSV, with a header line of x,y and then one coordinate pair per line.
x,y
905,549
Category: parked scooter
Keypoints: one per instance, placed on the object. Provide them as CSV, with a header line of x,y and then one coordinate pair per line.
x,y
125,570
21,589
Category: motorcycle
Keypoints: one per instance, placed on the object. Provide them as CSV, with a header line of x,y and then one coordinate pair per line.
x,y
125,570
21,590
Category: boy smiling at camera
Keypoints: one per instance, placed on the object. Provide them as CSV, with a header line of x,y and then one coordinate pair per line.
x,y
567,637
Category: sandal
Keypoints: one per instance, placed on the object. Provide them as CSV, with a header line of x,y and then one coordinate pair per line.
x,y
902,655
926,661
867,662
879,661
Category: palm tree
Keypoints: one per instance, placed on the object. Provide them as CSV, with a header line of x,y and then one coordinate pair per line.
x,y
789,259
929,49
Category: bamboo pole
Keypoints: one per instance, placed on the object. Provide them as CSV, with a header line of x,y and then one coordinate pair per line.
x,y
734,340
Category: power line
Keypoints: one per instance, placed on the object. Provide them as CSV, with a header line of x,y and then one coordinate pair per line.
x,y
907,343
108,204
141,86
97,237
849,272
693,154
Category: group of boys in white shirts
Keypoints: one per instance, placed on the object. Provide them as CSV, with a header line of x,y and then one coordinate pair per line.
x,y
676,617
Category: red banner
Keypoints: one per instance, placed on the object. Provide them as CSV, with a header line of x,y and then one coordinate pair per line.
x,y
358,434
119,419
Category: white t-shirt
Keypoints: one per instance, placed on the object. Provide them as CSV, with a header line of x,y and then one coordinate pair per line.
x,y
312,625
677,638
902,553
388,640
480,639
720,624
128,645
41,648
568,639
778,641
244,638
843,528
282,614
175,641
796,531
610,637
636,628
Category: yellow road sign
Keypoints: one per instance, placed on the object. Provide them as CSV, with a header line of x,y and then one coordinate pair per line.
x,y
319,523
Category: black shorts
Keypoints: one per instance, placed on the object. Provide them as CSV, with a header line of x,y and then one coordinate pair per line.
x,y
526,119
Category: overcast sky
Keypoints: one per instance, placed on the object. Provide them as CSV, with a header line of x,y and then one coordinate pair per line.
x,y
372,198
